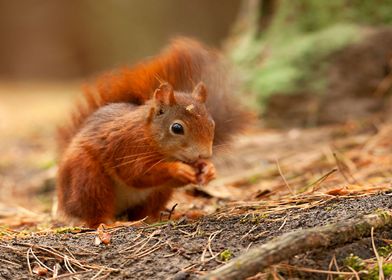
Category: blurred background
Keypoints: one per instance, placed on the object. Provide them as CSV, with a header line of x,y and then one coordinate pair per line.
x,y
62,40
49,48
303,63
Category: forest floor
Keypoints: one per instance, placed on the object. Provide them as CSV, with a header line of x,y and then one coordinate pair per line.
x,y
271,183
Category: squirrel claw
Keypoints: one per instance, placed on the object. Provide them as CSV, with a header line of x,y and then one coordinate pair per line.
x,y
206,172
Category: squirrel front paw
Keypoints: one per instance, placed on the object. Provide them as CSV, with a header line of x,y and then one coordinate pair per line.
x,y
184,173
206,171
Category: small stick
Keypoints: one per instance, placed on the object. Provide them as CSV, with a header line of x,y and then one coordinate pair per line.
x,y
156,246
318,182
284,222
249,232
379,259
98,273
9,262
172,210
28,262
343,168
68,265
41,263
284,179
355,273
155,232
208,247
67,275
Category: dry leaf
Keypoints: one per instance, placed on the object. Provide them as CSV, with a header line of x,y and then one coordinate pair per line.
x,y
338,191
39,270
103,237
97,241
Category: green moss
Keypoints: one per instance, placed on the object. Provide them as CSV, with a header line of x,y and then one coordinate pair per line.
x,y
226,255
383,214
63,230
292,54
311,15
290,63
358,264
385,250
258,218
374,272
354,262
4,230
254,218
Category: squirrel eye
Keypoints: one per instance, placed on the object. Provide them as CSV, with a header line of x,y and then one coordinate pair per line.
x,y
177,128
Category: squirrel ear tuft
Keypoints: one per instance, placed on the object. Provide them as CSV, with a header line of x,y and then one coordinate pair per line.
x,y
164,94
200,92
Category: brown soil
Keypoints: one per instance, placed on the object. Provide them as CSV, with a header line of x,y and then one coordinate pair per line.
x,y
175,249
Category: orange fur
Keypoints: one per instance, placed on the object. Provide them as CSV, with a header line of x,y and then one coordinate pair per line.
x,y
113,158
180,66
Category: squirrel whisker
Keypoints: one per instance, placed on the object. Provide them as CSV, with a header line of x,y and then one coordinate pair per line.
x,y
154,165
136,155
137,159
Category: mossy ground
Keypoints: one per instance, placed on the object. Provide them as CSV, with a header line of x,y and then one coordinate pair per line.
x,y
293,53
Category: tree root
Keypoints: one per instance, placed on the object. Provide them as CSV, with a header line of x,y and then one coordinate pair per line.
x,y
301,241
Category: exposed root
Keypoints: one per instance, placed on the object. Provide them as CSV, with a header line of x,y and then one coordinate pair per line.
x,y
297,242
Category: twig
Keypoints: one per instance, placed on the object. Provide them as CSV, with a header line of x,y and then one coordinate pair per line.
x,y
41,263
156,247
68,275
68,265
28,262
284,179
330,277
145,242
317,183
343,168
355,273
9,262
249,232
379,259
172,210
301,241
208,247
284,222
60,256
96,275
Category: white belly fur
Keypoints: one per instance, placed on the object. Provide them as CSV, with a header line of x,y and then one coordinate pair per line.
x,y
127,196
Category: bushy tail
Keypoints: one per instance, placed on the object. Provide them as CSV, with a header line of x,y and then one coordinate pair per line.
x,y
183,65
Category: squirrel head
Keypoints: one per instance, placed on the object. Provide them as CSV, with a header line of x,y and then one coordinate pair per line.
x,y
180,124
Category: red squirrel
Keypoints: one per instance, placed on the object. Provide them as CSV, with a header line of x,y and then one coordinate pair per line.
x,y
144,131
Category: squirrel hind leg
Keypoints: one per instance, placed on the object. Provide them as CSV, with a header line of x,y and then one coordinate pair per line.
x,y
85,197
